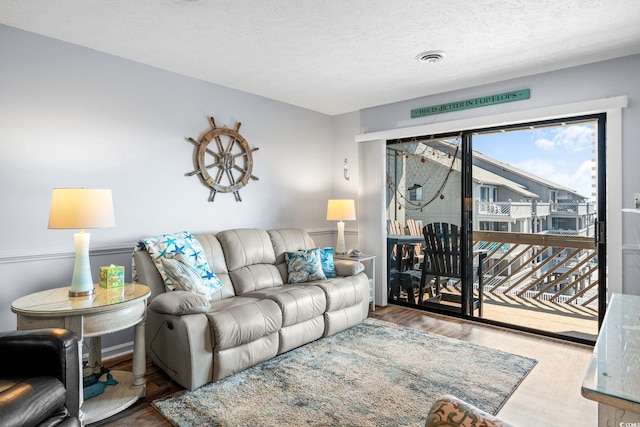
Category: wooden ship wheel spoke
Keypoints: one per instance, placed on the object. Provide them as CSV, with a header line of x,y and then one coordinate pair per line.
x,y
234,162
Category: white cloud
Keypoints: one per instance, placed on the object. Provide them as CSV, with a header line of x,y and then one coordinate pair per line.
x,y
545,144
575,138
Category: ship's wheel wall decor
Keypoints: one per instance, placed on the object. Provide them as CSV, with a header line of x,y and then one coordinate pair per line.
x,y
228,155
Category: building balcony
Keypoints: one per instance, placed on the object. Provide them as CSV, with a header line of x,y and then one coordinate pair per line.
x,y
496,211
573,209
502,211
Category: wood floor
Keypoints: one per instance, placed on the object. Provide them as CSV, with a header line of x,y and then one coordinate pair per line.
x,y
548,396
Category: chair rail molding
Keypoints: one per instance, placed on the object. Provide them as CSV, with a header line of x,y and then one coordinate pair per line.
x,y
11,257
40,255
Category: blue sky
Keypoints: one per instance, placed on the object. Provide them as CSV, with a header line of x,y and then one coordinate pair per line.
x,y
561,154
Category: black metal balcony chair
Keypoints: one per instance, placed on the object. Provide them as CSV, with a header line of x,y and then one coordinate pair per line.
x,y
403,278
443,260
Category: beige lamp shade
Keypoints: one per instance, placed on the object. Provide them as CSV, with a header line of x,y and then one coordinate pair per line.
x,y
80,208
341,210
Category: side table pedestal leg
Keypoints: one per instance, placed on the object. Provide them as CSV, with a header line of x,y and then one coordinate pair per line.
x,y
139,358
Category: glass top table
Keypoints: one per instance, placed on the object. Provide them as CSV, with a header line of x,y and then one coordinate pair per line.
x,y
613,376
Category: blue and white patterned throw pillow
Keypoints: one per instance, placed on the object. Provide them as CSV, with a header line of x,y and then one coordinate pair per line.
x,y
304,266
326,258
183,243
185,277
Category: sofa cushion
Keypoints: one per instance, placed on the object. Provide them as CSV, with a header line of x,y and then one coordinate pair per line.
x,y
342,292
243,247
288,240
250,259
298,303
215,257
245,323
179,303
304,266
231,302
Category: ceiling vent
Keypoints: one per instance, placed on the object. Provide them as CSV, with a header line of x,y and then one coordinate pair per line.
x,y
431,56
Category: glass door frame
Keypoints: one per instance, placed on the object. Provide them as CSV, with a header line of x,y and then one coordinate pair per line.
x,y
450,309
601,207
466,210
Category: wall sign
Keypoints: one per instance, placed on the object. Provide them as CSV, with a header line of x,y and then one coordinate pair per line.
x,y
516,95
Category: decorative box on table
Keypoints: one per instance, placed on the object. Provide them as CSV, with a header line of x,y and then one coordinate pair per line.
x,y
114,295
112,276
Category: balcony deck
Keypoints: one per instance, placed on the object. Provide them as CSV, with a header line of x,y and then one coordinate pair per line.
x,y
558,318
553,317
545,282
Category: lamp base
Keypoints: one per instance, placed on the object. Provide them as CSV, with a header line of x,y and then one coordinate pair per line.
x,y
341,248
82,282
82,293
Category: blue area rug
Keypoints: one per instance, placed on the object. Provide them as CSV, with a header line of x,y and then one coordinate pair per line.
x,y
374,374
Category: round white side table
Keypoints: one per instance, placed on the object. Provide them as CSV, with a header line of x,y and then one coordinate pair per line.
x,y
90,317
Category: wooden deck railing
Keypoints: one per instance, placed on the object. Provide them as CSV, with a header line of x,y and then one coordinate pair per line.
x,y
548,267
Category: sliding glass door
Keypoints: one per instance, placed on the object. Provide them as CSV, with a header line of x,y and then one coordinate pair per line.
x,y
503,224
424,189
538,203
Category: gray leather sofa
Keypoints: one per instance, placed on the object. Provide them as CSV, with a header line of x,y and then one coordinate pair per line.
x,y
256,315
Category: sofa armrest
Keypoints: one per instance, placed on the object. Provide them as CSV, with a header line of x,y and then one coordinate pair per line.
x,y
347,267
43,352
449,411
179,303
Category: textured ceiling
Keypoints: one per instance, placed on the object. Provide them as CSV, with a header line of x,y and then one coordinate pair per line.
x,y
336,56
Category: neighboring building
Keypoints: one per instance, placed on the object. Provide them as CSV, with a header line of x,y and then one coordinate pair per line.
x,y
553,208
506,198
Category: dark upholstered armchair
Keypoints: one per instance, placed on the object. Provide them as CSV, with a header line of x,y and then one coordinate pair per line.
x,y
39,378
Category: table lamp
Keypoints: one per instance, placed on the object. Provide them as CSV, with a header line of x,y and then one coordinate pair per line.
x,y
80,208
341,210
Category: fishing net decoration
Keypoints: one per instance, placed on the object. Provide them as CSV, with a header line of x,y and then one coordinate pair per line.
x,y
424,164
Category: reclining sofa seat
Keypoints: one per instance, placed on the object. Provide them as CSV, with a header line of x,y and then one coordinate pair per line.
x,y
255,316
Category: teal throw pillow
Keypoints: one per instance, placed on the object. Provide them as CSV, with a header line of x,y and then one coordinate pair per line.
x,y
326,258
304,266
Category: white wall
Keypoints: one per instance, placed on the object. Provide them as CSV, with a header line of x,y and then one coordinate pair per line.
x,y
74,117
345,126
70,116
